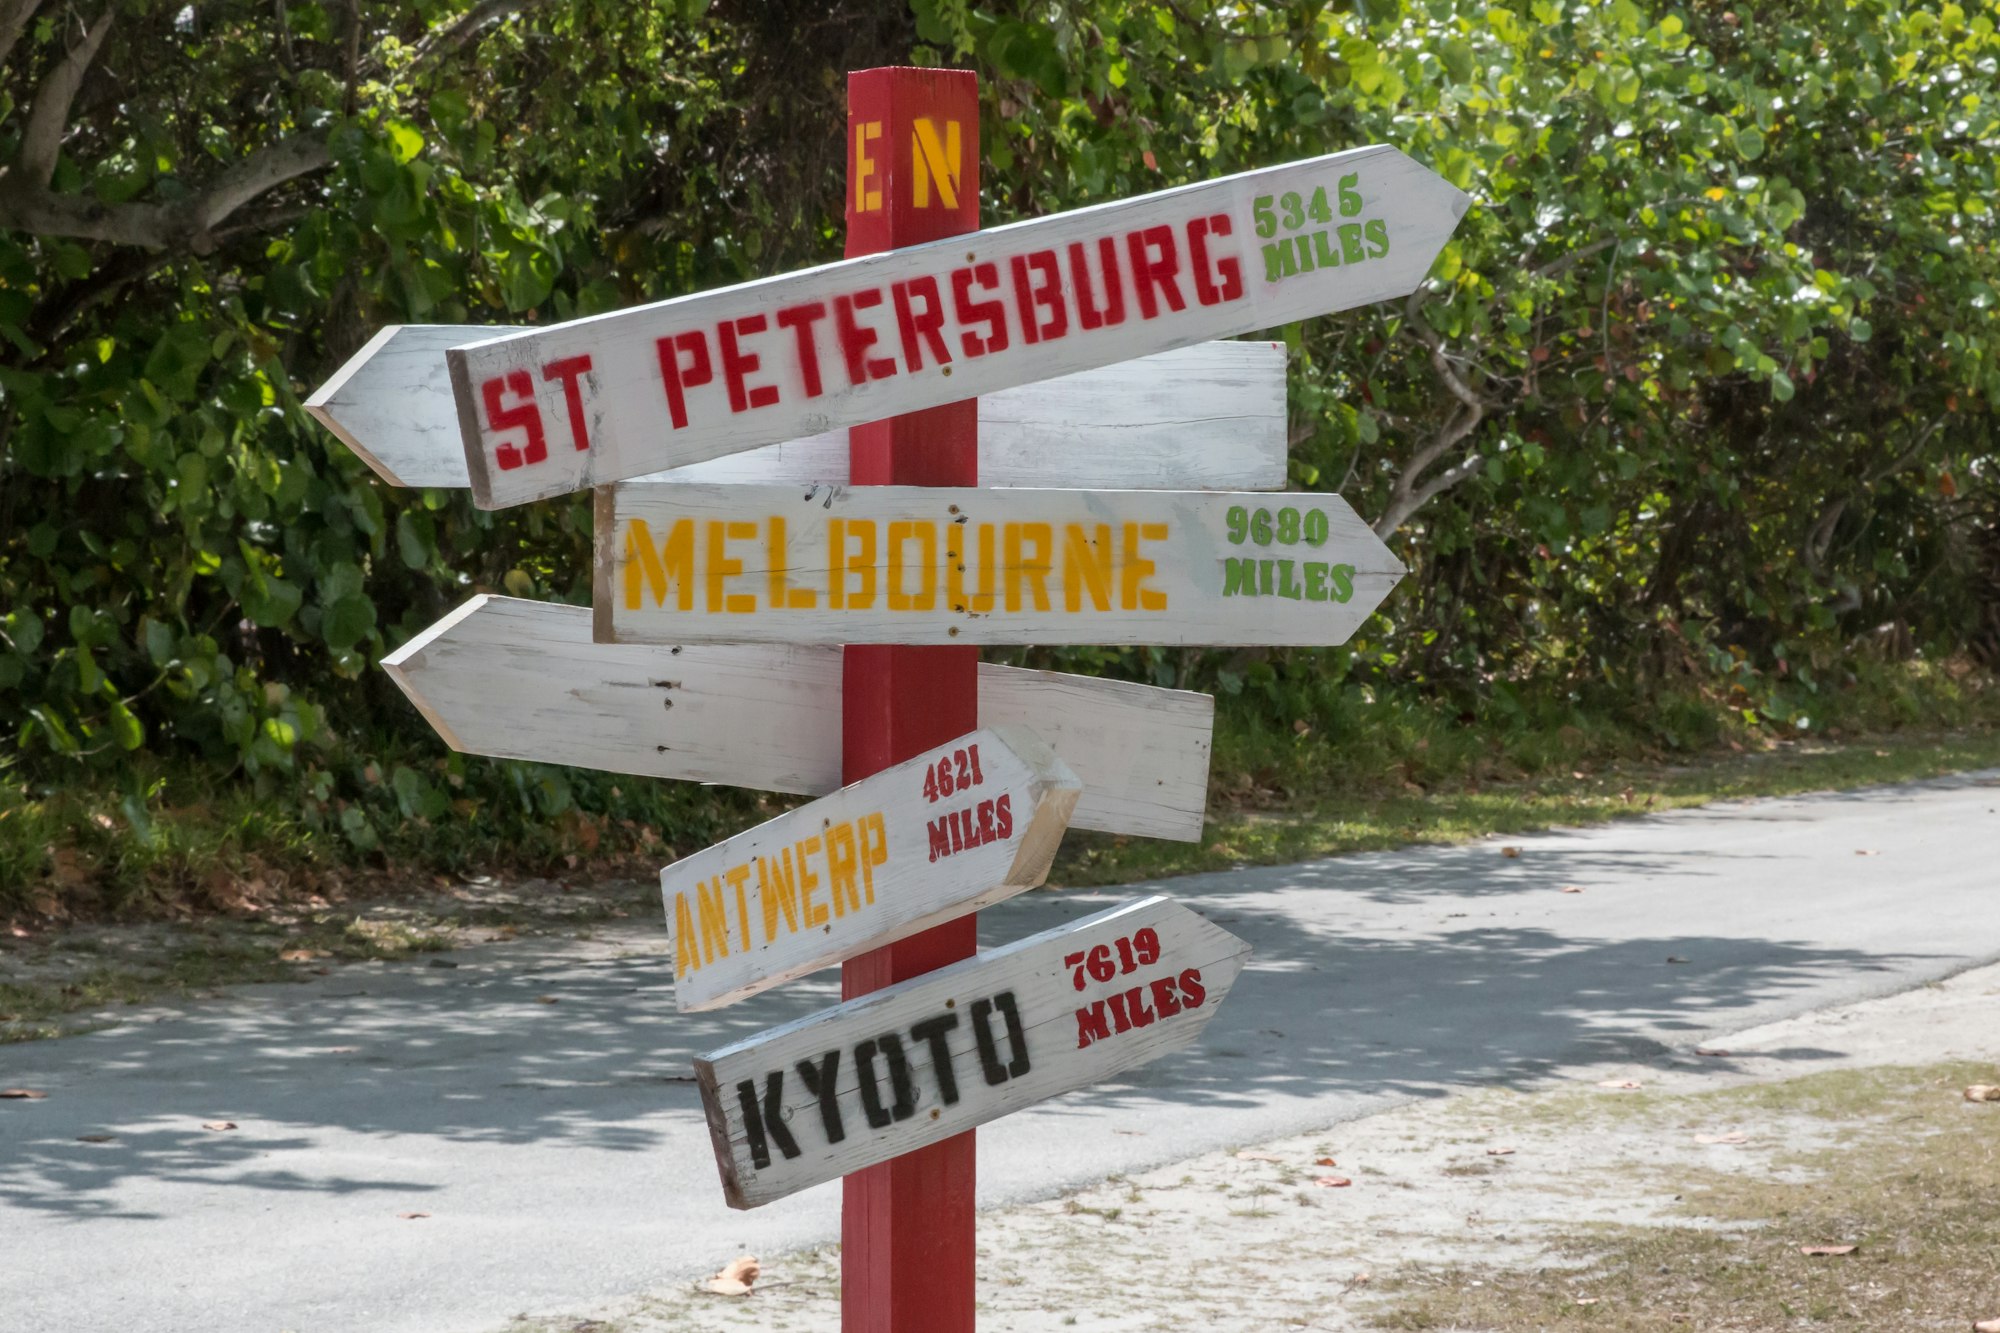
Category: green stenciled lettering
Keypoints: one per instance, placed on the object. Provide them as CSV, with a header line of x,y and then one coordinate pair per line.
x,y
1377,232
1350,243
1342,578
1239,577
1280,261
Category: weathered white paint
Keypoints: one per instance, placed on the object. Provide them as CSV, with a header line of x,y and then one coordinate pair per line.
x,y
940,1054
1207,417
953,830
923,564
518,679
660,386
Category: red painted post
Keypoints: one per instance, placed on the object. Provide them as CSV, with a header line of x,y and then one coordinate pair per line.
x,y
912,176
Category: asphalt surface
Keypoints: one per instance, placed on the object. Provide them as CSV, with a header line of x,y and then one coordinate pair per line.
x,y
561,1157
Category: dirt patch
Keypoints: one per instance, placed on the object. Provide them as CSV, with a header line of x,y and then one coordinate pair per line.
x,y
86,976
1684,1202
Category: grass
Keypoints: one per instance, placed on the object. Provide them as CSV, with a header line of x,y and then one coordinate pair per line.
x,y
1909,1179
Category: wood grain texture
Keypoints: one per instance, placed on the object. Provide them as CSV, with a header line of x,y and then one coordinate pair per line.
x,y
934,565
661,386
970,823
518,679
1207,417
934,1056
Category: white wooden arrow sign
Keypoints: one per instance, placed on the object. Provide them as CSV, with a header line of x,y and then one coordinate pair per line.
x,y
519,679
923,564
660,386
1207,417
950,831
932,1057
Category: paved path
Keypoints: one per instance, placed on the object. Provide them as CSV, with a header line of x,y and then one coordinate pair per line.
x,y
562,1158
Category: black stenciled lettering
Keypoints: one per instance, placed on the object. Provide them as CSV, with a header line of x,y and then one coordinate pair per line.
x,y
819,1080
757,1124
933,1030
989,1050
890,1047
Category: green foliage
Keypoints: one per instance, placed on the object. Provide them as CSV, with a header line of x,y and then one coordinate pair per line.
x,y
1693,415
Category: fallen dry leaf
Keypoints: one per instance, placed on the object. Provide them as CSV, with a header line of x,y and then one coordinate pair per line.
x,y
736,1276
1586,1300
1987,1326
1712,1051
1675,958
1621,1084
96,1138
1510,852
302,955
1572,888
1722,1138
218,1124
1332,1182
411,1217
1499,1152
548,999
1866,851
1828,1249
1247,1156
23,1094
1982,1092
1324,1161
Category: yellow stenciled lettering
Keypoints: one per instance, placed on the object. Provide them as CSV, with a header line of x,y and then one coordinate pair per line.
x,y
841,865
1086,564
936,159
720,566
738,876
874,850
814,913
1135,596
777,891
687,959
867,196
658,566
954,559
860,562
924,533
1022,570
782,593
714,915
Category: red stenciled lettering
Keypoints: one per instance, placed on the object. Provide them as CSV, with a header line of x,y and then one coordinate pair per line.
x,y
986,833
957,832
1119,1020
1135,1004
680,378
738,365
940,842
1090,1025
856,338
990,313
1003,811
524,414
1088,312
800,320
1164,998
1153,274
1046,293
926,324
1192,991
1227,268
569,370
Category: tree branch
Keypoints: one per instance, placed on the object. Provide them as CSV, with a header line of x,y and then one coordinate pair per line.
x,y
1406,497
444,40
188,223
14,16
41,140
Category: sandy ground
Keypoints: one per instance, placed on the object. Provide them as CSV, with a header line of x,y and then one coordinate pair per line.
x,y
1261,1237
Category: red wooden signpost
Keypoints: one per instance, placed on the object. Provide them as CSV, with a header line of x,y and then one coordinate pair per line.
x,y
907,1257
